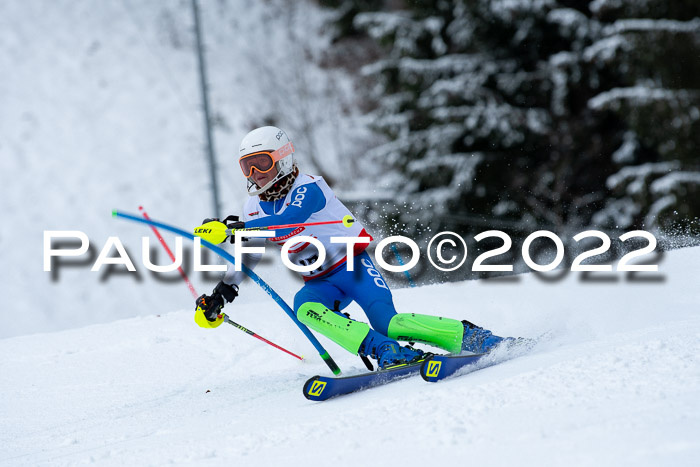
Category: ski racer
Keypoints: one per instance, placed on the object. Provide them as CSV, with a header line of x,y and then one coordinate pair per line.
x,y
279,194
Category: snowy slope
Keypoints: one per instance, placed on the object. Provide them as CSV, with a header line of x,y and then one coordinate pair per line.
x,y
100,109
618,384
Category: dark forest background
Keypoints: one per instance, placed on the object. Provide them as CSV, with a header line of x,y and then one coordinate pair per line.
x,y
527,115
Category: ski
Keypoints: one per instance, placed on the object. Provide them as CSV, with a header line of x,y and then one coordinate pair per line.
x,y
431,367
321,388
437,367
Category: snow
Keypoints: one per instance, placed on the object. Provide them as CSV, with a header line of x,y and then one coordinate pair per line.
x,y
640,173
510,10
658,206
606,49
666,25
617,384
625,153
559,63
505,207
661,181
100,109
566,17
572,23
668,183
597,6
403,29
379,24
639,94
617,213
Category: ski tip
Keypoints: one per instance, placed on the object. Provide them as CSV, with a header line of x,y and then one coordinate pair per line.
x,y
114,213
313,389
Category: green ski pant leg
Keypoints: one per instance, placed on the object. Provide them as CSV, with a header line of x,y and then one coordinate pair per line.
x,y
445,333
345,332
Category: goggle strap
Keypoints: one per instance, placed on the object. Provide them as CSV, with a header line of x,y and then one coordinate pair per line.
x,y
282,152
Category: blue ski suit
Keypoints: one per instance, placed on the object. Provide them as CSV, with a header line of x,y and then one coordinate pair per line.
x,y
332,285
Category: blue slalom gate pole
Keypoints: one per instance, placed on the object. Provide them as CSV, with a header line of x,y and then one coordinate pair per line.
x,y
401,263
249,272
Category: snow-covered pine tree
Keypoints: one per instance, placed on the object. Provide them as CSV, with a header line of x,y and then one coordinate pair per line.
x,y
649,51
534,113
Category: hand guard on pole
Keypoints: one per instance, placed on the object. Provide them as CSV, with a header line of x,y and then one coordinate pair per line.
x,y
208,311
231,222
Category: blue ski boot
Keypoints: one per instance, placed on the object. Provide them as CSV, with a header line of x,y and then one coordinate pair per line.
x,y
386,350
392,353
479,340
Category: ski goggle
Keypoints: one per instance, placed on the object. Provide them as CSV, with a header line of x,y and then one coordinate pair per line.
x,y
263,161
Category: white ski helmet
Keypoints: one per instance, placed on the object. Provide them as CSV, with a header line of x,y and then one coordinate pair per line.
x,y
262,149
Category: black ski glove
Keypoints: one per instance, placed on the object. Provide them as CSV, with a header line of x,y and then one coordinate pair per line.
x,y
229,292
230,221
212,304
233,223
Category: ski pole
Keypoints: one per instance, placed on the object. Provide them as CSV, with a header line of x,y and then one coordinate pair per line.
x,y
328,360
170,254
248,331
216,232
401,263
347,221
195,294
